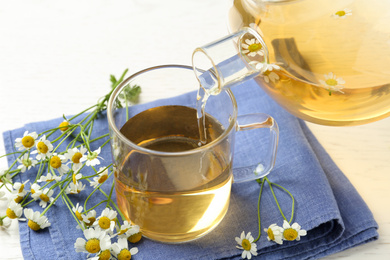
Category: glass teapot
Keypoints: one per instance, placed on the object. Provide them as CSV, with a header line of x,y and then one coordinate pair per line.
x,y
333,55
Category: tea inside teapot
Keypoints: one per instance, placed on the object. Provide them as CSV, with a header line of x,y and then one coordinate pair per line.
x,y
334,56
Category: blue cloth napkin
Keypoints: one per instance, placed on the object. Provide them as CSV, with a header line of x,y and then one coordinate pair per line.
x,y
326,204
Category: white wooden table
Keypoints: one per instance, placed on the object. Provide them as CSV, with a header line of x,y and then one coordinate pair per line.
x,y
56,58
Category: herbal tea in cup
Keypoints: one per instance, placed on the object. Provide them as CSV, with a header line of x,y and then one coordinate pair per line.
x,y
174,169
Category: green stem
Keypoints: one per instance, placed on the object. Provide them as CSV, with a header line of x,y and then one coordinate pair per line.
x,y
258,210
292,198
276,200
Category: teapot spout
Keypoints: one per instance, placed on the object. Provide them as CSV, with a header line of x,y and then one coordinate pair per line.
x,y
231,60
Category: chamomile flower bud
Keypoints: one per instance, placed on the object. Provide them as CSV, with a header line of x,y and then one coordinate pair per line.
x,y
64,126
27,141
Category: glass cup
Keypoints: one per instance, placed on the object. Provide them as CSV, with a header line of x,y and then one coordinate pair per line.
x,y
167,182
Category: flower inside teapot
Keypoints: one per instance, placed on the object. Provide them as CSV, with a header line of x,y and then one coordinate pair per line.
x,y
331,58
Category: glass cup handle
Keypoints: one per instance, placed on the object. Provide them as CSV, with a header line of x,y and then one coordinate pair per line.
x,y
255,121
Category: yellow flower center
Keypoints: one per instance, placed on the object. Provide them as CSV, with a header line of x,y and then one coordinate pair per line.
x,y
18,199
135,237
103,178
10,213
104,222
246,244
105,255
42,147
74,178
123,231
290,234
270,234
91,220
340,13
55,162
28,141
76,157
64,126
93,246
32,191
124,254
78,216
44,197
33,225
254,47
21,188
331,82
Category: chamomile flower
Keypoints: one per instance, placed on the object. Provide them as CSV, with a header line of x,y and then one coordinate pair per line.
x,y
18,191
14,210
293,232
77,211
89,218
45,196
27,141
130,232
105,250
267,70
64,126
49,178
35,187
2,195
35,220
92,244
74,155
342,14
102,177
75,188
58,162
246,243
106,221
26,163
275,233
5,176
44,148
121,249
92,159
332,83
5,222
252,47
